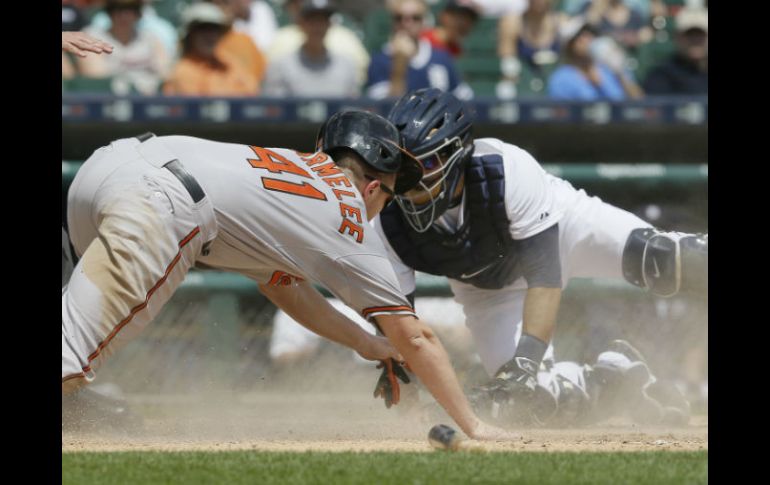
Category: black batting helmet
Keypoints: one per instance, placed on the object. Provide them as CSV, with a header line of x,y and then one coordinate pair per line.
x,y
374,139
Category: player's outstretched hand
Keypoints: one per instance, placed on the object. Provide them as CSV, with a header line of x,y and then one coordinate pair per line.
x,y
487,432
79,44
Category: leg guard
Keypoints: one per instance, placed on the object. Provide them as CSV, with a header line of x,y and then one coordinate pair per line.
x,y
666,262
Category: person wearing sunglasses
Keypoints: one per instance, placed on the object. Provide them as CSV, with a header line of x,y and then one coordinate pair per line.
x,y
408,62
509,236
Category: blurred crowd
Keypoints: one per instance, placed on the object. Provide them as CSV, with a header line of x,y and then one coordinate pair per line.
x,y
578,50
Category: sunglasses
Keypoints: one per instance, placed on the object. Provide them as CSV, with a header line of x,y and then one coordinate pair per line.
x,y
385,188
414,18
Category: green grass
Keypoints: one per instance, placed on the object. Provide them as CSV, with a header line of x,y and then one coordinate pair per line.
x,y
384,468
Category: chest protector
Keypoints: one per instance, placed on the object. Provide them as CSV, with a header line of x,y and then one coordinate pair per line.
x,y
481,252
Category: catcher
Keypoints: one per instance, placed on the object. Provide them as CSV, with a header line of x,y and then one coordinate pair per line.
x,y
509,236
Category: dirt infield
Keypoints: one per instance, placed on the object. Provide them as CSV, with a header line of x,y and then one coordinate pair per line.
x,y
280,421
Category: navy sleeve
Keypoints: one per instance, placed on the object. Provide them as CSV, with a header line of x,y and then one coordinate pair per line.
x,y
539,258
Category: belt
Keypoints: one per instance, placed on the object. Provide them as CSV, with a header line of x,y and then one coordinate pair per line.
x,y
177,169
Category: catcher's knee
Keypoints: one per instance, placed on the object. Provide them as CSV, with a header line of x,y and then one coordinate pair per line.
x,y
666,262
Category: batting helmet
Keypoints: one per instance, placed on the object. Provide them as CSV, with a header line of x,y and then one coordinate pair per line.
x,y
375,140
437,128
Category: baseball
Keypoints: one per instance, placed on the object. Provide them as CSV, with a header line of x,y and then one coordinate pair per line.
x,y
443,437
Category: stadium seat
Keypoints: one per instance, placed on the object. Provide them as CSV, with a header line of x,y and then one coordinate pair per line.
x,y
88,85
650,54
171,10
376,30
532,83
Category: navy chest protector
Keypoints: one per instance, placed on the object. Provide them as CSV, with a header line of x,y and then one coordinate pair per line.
x,y
481,251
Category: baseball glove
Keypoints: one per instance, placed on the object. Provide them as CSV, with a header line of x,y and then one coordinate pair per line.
x,y
387,385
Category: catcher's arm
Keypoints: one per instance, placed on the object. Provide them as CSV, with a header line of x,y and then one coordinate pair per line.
x,y
430,362
307,306
541,267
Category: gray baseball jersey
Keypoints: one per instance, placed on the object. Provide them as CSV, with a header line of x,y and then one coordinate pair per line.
x,y
283,215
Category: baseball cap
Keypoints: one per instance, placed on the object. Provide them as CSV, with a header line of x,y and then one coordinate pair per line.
x,y
468,6
572,27
202,13
313,6
692,18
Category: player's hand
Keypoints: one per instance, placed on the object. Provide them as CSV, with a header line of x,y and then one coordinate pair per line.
x,y
388,387
379,348
487,432
79,44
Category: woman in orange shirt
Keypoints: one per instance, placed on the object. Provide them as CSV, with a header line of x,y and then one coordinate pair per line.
x,y
205,69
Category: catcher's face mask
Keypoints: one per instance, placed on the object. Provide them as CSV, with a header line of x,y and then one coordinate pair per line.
x,y
432,195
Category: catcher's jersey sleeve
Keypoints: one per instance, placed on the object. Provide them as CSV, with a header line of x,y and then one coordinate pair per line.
x,y
529,192
283,216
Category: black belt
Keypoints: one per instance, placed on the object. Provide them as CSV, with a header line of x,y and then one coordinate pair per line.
x,y
176,168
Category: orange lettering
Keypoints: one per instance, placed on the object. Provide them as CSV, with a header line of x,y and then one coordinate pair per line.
x,y
341,180
347,210
353,229
304,189
339,193
275,163
327,170
319,157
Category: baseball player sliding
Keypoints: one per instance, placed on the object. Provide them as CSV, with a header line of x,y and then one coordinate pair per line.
x,y
509,236
143,211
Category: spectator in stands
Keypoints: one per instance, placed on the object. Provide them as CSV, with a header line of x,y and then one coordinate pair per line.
x,y
139,59
500,8
149,22
455,22
254,18
240,46
203,70
509,13
312,70
686,71
407,62
533,38
618,20
537,42
581,77
72,18
79,44
647,8
339,40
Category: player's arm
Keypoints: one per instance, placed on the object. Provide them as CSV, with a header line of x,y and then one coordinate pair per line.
x,y
430,362
307,306
80,43
541,267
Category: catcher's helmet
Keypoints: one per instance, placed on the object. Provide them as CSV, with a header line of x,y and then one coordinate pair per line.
x,y
375,140
436,128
